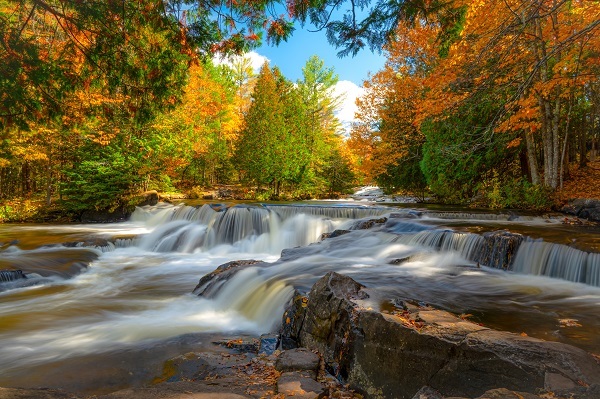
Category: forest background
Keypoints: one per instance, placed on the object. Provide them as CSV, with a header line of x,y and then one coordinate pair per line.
x,y
490,103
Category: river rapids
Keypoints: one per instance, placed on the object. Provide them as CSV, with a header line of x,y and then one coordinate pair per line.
x,y
121,286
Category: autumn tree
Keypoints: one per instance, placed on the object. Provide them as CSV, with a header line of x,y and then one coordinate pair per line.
x,y
242,74
197,137
386,134
540,54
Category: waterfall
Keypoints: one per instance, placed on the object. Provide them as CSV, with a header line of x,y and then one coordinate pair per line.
x,y
332,212
466,244
264,229
559,261
11,275
270,228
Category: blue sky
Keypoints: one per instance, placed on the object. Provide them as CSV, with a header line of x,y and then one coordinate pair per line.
x,y
291,56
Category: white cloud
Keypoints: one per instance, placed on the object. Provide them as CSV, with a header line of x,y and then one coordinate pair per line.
x,y
256,59
349,92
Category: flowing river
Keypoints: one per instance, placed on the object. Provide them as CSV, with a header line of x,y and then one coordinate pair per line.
x,y
103,305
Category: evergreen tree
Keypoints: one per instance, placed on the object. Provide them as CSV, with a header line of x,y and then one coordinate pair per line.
x,y
317,89
261,149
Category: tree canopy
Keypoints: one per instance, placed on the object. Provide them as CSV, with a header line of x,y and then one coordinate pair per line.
x,y
491,101
498,105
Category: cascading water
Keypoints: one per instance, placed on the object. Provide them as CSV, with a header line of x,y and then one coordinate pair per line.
x,y
138,286
559,261
246,228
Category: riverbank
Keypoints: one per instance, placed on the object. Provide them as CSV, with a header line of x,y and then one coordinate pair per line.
x,y
580,192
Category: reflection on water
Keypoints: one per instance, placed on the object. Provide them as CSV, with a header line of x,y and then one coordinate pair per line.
x,y
136,293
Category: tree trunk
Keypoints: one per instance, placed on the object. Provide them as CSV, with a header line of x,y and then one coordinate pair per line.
x,y
583,143
531,159
564,150
49,183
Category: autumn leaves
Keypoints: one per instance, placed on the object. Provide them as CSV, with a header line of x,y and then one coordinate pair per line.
x,y
524,74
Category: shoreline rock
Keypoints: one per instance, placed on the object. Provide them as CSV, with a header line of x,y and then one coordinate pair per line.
x,y
583,208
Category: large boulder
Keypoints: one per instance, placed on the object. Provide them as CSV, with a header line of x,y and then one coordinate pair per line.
x,y
583,208
395,354
499,249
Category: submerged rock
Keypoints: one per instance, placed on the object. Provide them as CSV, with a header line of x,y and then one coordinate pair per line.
x,y
11,275
393,355
333,234
210,283
368,224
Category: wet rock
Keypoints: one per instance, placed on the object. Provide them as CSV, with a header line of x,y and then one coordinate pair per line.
x,y
11,275
299,359
499,249
427,393
299,385
196,366
268,344
222,388
120,214
399,261
333,234
410,214
250,345
288,254
592,392
92,242
503,393
13,393
583,208
292,320
367,224
210,283
147,198
394,355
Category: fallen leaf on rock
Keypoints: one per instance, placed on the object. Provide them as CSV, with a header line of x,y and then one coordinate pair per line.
x,y
568,323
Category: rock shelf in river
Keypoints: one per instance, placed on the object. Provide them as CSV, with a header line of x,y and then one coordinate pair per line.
x,y
394,354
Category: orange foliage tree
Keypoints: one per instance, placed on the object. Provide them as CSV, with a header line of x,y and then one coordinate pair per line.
x,y
198,136
386,136
541,54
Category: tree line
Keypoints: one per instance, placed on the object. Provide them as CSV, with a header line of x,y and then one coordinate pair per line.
x,y
496,107
101,100
489,101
